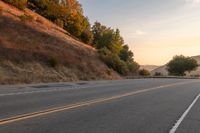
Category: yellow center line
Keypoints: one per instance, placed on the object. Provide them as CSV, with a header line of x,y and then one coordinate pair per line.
x,y
82,104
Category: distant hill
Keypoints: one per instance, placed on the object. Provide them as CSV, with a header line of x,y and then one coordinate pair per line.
x,y
149,67
33,49
164,72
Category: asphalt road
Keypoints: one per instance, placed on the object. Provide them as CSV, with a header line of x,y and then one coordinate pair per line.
x,y
123,106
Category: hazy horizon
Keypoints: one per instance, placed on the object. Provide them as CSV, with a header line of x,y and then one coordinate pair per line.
x,y
155,30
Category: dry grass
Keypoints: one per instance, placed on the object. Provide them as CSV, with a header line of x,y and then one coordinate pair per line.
x,y
25,50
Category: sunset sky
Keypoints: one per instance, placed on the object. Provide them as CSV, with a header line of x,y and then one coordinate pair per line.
x,y
155,30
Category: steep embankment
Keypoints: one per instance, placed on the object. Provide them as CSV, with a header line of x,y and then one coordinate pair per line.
x,y
33,50
164,72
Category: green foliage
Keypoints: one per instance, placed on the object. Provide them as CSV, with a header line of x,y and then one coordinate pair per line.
x,y
144,72
87,36
107,38
66,15
53,61
113,61
49,9
25,18
125,54
112,49
180,64
20,4
98,31
78,25
133,67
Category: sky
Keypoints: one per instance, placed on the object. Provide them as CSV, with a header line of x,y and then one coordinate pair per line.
x,y
155,30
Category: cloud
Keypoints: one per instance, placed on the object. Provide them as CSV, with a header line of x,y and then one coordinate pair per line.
x,y
140,32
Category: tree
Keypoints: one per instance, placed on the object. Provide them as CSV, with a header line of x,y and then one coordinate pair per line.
x,y
125,54
50,9
78,26
67,14
181,64
112,50
98,31
87,36
106,37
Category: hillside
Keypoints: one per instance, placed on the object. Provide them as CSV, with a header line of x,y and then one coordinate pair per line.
x,y
33,50
164,72
149,67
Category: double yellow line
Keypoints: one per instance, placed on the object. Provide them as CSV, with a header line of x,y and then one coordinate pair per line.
x,y
81,104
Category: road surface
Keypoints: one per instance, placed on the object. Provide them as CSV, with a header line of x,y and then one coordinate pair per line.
x,y
123,106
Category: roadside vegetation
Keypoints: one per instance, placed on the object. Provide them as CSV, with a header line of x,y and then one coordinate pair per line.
x,y
68,14
144,72
179,65
112,49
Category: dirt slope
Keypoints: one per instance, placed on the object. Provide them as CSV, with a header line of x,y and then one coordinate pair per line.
x,y
28,47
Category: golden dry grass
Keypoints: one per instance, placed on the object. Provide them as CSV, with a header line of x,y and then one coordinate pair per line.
x,y
26,46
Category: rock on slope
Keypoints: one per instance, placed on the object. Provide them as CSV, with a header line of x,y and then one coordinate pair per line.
x,y
28,48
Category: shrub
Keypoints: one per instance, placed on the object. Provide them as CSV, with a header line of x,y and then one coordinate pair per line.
x,y
25,18
113,61
133,67
20,4
144,72
53,61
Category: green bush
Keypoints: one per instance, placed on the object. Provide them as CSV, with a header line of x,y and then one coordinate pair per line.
x,y
53,61
181,64
133,67
113,61
25,18
20,4
144,72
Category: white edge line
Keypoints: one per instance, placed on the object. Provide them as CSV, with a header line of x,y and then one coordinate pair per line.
x,y
178,123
